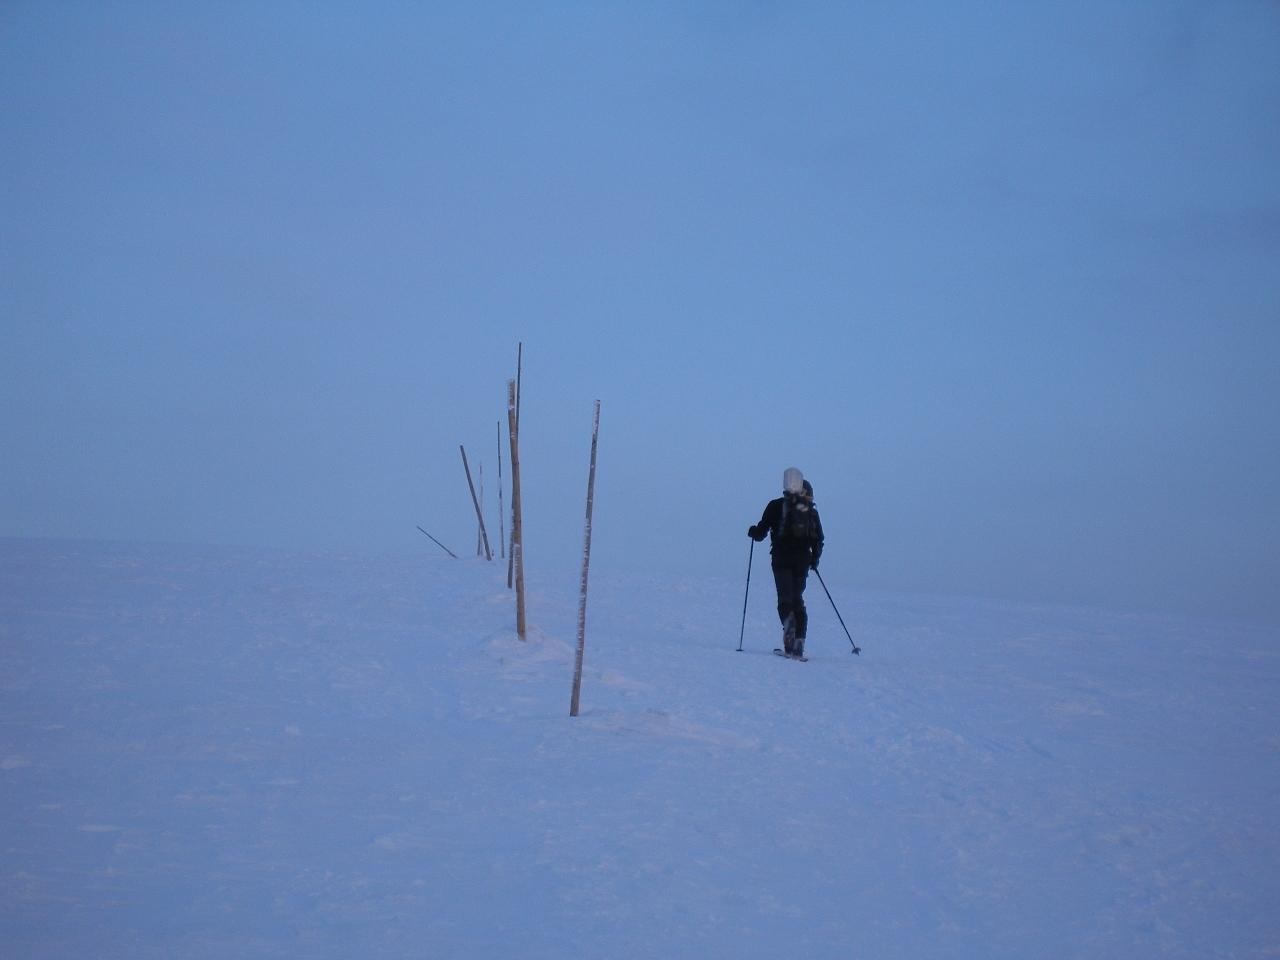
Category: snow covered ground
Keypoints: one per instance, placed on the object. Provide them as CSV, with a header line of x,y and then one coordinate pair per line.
x,y
210,752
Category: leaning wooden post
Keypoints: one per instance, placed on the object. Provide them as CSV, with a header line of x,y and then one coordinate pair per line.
x,y
517,548
440,545
480,536
488,554
586,561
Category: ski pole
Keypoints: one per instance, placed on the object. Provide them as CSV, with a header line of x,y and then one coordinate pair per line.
x,y
750,556
856,648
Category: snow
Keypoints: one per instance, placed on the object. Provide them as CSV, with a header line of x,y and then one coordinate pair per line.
x,y
209,752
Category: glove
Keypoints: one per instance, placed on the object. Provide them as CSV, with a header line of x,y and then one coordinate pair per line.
x,y
813,564
754,533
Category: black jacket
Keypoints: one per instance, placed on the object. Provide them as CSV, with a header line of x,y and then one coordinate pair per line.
x,y
786,550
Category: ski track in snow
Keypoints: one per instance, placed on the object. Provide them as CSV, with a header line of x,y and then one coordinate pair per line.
x,y
210,752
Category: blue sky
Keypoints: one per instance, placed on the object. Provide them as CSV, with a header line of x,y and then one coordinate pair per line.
x,y
1000,278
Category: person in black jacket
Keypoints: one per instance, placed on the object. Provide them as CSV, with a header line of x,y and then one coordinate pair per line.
x,y
795,533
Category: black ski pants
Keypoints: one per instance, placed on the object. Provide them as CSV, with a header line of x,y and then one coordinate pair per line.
x,y
790,578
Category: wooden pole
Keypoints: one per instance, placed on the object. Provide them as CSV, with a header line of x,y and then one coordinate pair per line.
x,y
480,527
517,547
502,533
440,545
488,554
511,553
586,561
519,371
511,534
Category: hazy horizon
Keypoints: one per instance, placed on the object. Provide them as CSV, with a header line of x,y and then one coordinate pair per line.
x,y
1001,280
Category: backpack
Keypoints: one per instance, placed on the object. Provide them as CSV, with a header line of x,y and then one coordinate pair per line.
x,y
796,522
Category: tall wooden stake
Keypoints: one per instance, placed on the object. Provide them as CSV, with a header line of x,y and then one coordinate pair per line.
x,y
511,553
502,534
519,371
484,537
511,534
517,547
586,561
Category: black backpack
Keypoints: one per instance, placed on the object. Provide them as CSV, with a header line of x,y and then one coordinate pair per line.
x,y
796,522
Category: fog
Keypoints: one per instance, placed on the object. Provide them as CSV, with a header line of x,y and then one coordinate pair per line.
x,y
1000,279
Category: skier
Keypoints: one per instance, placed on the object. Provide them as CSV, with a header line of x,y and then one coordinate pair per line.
x,y
795,533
